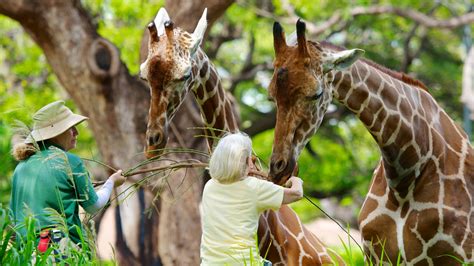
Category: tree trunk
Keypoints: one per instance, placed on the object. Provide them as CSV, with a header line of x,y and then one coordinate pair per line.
x,y
89,68
181,10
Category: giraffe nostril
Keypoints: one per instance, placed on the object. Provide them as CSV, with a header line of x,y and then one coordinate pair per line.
x,y
155,139
150,141
280,165
141,76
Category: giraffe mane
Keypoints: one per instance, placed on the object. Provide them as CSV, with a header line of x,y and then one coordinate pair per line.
x,y
394,74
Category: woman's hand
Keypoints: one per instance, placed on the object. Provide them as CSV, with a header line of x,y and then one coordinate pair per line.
x,y
251,162
293,190
294,181
253,169
118,178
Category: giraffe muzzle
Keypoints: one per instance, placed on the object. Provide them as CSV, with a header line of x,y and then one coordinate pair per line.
x,y
156,141
281,170
142,76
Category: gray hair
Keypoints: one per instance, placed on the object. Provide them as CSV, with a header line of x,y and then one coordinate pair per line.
x,y
229,160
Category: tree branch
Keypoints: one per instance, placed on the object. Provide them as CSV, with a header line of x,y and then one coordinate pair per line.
x,y
264,122
248,74
409,55
337,17
338,193
228,33
416,16
249,69
182,10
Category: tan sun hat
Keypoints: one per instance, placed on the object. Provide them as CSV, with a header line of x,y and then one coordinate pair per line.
x,y
52,120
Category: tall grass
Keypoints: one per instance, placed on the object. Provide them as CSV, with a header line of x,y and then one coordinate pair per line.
x,y
17,249
356,257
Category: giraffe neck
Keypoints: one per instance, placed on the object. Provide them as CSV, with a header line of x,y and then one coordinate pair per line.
x,y
214,103
215,106
403,119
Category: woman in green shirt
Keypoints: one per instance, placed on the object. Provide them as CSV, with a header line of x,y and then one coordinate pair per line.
x,y
49,179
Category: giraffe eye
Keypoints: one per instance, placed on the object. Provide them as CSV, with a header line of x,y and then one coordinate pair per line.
x,y
316,96
181,79
282,75
184,77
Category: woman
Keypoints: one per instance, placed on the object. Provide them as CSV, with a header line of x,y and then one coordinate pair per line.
x,y
49,179
232,202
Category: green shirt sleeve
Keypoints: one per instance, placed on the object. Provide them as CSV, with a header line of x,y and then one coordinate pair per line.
x,y
85,192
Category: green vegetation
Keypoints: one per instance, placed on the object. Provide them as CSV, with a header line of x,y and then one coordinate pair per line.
x,y
340,158
350,254
24,250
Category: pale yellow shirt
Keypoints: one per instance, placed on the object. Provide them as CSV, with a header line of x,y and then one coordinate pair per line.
x,y
230,214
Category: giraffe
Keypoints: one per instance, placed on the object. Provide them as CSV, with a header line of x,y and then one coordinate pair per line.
x,y
174,72
420,205
176,65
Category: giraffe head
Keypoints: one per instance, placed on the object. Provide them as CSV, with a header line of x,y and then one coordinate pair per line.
x,y
302,90
167,69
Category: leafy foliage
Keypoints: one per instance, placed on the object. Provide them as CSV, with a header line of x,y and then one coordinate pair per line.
x,y
23,250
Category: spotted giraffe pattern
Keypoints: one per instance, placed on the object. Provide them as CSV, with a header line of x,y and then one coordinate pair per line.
x,y
282,237
284,240
420,205
426,198
173,74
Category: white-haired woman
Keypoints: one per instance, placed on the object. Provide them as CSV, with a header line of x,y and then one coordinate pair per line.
x,y
48,177
232,202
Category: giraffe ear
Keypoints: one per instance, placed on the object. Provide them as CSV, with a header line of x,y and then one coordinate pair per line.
x,y
341,60
198,33
160,20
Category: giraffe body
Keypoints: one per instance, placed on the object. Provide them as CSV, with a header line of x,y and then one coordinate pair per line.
x,y
289,242
172,69
420,206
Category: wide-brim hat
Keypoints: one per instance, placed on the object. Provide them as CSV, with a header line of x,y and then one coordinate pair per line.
x,y
52,120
